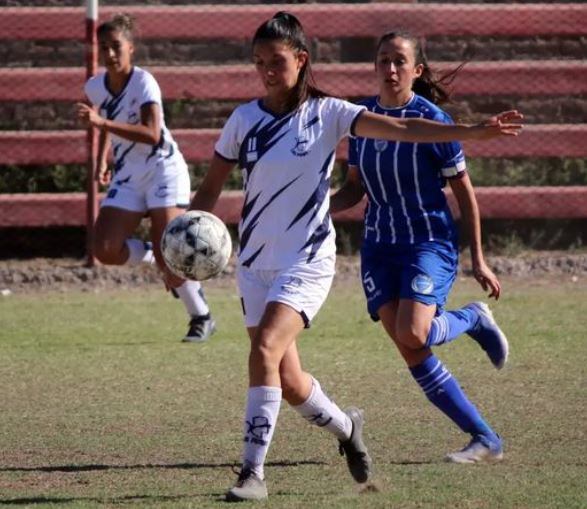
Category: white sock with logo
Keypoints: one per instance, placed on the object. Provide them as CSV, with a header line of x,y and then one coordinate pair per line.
x,y
139,252
318,409
192,296
261,416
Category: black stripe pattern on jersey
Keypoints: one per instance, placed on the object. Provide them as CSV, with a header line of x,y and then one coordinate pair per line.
x,y
119,161
112,107
258,141
254,221
317,238
251,259
156,148
316,199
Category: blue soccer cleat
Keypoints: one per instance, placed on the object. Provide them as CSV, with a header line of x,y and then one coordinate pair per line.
x,y
480,449
489,336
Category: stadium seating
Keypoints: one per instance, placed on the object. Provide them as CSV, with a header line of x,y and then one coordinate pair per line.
x,y
224,82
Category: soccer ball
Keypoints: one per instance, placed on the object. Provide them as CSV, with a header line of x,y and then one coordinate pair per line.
x,y
196,245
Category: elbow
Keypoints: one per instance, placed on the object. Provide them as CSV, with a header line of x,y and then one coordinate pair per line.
x,y
154,138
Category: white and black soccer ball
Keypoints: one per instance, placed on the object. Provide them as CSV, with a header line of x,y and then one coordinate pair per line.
x,y
196,245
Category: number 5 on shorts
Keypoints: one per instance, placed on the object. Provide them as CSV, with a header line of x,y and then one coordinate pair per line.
x,y
368,283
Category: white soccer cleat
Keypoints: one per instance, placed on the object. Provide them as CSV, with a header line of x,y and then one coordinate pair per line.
x,y
249,486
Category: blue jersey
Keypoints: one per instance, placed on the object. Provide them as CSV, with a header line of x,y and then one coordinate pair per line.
x,y
404,181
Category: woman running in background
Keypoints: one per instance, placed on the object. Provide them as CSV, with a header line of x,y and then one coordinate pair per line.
x,y
149,175
409,256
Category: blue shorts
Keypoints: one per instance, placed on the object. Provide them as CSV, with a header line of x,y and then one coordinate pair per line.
x,y
423,272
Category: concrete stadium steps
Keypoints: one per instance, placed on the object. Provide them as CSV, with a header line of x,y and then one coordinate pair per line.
x,y
365,20
231,82
69,209
197,145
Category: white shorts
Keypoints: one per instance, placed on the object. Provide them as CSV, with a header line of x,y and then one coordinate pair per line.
x,y
162,185
304,287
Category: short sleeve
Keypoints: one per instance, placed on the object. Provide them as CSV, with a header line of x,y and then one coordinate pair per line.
x,y
150,92
228,145
450,154
91,89
343,116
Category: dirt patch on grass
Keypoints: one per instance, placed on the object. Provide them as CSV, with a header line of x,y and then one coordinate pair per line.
x,y
43,274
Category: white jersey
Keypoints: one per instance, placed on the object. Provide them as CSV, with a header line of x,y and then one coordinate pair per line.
x,y
286,163
140,89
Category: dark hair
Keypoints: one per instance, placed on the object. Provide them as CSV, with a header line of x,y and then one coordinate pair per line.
x,y
121,22
429,85
285,27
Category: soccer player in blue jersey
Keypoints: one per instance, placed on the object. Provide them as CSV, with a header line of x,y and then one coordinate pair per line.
x,y
409,254
284,144
149,176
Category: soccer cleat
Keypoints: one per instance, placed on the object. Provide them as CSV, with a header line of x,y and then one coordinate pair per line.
x,y
201,328
249,486
489,336
480,449
357,456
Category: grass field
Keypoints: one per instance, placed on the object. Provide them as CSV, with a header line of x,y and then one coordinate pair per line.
x,y
103,407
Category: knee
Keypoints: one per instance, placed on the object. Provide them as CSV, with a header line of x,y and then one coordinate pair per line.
x,y
412,337
264,356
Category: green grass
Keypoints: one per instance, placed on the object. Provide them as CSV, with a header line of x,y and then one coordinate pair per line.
x,y
103,407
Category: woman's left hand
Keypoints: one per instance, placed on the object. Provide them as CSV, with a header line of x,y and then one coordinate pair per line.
x,y
88,115
506,123
487,279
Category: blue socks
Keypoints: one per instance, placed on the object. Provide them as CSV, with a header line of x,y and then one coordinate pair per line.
x,y
450,325
444,392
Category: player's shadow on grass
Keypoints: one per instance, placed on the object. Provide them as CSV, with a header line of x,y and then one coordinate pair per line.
x,y
130,498
408,462
187,466
114,500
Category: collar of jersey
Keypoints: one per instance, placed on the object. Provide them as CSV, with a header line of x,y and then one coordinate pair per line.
x,y
276,115
132,70
388,108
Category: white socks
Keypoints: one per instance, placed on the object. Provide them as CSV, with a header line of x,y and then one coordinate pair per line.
x,y
190,292
139,252
318,409
192,296
262,410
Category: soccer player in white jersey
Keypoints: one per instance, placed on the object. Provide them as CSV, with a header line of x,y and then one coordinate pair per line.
x,y
409,254
149,177
284,144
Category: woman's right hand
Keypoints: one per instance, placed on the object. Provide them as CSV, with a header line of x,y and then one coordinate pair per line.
x,y
103,174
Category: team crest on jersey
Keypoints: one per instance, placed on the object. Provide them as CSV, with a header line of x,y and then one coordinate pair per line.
x,y
300,148
380,145
423,284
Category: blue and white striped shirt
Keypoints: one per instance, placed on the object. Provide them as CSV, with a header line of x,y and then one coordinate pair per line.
x,y
404,181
